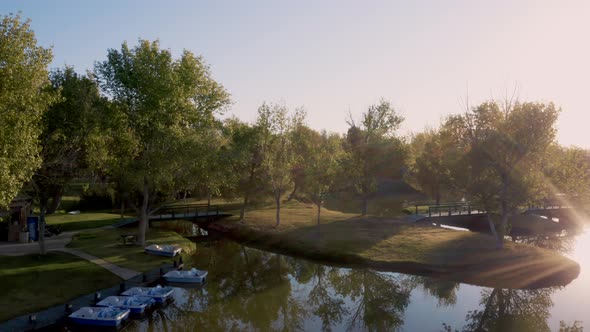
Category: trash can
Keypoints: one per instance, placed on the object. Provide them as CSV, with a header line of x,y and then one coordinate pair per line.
x,y
33,225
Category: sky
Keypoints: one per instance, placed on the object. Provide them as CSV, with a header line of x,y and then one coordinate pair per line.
x,y
336,57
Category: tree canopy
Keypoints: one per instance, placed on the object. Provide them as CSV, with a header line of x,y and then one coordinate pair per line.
x,y
163,105
24,96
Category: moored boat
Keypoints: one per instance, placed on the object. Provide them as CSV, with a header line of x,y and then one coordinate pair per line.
x,y
99,316
191,276
163,250
158,293
137,304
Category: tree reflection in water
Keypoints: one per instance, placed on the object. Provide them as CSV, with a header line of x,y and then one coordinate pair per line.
x,y
255,290
511,310
519,310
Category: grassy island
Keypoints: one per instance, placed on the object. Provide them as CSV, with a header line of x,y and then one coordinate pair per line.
x,y
393,245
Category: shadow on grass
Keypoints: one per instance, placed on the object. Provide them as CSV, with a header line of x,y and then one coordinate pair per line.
x,y
33,282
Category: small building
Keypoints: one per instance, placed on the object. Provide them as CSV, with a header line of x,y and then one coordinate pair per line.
x,y
18,212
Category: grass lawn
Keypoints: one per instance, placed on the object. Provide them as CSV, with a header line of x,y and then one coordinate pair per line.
x,y
107,244
31,283
392,245
84,220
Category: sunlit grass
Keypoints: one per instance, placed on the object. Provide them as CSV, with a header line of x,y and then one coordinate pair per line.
x,y
391,245
84,220
107,244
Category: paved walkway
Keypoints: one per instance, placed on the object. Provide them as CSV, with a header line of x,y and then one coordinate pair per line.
x,y
58,243
21,249
122,272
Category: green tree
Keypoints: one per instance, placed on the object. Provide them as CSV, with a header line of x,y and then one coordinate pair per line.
x,y
567,173
504,145
163,105
321,168
279,158
372,149
428,172
245,156
68,126
23,99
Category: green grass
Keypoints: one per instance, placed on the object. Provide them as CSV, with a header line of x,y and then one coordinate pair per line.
x,y
393,245
84,220
69,203
31,283
107,244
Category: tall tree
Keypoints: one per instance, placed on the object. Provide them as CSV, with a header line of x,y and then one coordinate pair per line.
x,y
67,129
164,105
277,127
245,156
321,168
23,99
427,171
504,144
373,150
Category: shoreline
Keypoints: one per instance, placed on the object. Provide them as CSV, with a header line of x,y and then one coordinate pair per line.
x,y
532,272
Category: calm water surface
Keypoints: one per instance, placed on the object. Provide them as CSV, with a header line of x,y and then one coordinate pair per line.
x,y
250,289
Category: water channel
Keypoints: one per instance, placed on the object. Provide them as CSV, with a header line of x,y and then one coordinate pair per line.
x,y
255,290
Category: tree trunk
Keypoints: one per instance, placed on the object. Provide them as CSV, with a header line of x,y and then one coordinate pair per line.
x,y
122,208
492,227
365,204
319,205
292,194
437,198
278,202
208,197
41,228
243,209
504,212
144,215
503,225
55,201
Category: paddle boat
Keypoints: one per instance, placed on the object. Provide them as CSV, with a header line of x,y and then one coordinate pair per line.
x,y
164,250
99,316
158,293
191,276
137,304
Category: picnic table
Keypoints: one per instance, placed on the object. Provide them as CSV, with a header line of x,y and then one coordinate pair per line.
x,y
129,239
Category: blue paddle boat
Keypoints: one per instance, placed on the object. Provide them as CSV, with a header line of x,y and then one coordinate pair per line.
x,y
158,293
99,316
165,250
137,304
191,276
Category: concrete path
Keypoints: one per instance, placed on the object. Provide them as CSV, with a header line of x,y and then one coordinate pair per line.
x,y
58,243
21,249
122,272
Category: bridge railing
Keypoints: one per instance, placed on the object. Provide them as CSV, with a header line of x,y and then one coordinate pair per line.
x,y
185,211
453,209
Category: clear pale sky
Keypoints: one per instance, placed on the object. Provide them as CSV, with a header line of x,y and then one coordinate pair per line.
x,y
337,56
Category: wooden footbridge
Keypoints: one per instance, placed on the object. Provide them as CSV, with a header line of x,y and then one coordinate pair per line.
x,y
192,212
474,218
188,211
467,209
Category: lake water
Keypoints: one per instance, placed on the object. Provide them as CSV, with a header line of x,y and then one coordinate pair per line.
x,y
254,290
